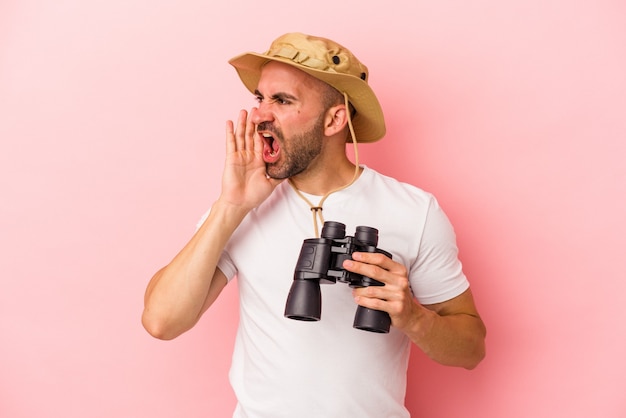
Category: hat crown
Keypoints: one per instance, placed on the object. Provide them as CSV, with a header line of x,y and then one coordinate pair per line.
x,y
317,53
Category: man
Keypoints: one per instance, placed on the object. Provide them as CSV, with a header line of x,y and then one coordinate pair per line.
x,y
313,98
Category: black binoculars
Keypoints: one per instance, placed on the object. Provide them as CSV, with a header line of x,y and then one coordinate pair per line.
x,y
321,261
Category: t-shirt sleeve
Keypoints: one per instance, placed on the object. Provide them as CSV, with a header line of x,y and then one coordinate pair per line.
x,y
437,274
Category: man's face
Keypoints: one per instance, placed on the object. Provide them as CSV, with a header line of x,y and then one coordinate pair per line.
x,y
290,118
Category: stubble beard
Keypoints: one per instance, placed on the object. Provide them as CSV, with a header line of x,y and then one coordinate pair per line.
x,y
297,152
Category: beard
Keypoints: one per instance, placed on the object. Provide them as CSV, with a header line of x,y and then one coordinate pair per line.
x,y
297,152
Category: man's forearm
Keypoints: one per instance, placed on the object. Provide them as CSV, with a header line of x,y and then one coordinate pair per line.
x,y
176,296
453,340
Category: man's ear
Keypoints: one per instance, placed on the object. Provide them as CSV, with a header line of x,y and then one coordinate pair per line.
x,y
336,120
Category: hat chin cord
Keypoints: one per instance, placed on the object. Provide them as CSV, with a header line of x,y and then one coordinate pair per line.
x,y
316,210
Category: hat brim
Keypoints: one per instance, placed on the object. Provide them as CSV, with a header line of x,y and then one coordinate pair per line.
x,y
368,122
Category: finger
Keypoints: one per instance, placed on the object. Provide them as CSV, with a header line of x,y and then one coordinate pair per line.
x,y
230,137
368,270
380,260
251,137
371,302
395,290
390,273
240,132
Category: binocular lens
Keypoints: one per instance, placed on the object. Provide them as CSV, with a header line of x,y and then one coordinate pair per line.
x,y
304,302
372,320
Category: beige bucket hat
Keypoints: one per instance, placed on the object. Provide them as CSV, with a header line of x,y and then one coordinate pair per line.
x,y
327,61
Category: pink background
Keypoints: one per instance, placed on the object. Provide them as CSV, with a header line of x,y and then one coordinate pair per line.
x,y
111,124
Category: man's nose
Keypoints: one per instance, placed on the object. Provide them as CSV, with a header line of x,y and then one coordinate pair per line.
x,y
261,114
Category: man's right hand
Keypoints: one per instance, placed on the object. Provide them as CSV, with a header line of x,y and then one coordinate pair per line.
x,y
245,183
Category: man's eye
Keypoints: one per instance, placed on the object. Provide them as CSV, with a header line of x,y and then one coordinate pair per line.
x,y
275,99
280,99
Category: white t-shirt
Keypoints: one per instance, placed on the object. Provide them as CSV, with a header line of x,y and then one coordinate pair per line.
x,y
288,368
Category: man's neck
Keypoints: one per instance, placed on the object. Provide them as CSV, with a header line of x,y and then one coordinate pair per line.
x,y
322,181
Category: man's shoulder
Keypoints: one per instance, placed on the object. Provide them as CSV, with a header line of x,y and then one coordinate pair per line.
x,y
394,185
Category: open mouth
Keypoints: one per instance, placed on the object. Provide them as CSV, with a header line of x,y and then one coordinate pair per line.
x,y
271,148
